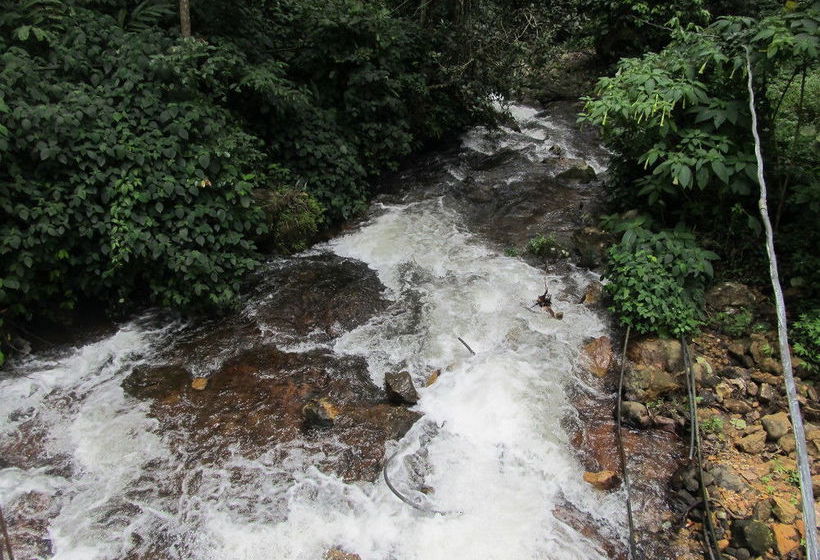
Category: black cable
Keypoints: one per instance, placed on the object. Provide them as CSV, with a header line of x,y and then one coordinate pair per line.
x,y
632,548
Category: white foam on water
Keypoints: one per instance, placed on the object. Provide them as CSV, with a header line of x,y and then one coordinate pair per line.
x,y
490,449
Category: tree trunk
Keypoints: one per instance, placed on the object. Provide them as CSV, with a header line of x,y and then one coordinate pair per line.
x,y
185,17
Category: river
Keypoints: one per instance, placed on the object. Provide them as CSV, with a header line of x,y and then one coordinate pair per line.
x,y
107,452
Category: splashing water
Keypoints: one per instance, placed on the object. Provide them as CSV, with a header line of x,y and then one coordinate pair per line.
x,y
490,447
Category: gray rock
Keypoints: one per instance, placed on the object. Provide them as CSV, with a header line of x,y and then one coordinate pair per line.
x,y
776,425
400,388
579,171
726,478
752,534
730,295
635,414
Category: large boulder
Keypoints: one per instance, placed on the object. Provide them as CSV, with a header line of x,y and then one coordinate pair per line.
x,y
659,353
647,384
730,295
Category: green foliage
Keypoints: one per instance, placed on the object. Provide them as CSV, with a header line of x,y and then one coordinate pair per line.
x,y
733,324
806,339
713,425
139,167
679,125
544,246
657,280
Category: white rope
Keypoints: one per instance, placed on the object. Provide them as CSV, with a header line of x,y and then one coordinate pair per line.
x,y
785,356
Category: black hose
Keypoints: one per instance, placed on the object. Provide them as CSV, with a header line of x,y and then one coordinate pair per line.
x,y
632,548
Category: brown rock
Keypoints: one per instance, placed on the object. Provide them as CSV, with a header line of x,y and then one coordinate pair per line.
x,y
433,377
787,443
657,353
767,393
597,355
737,406
737,350
400,389
760,349
753,443
776,425
784,511
647,384
339,554
723,391
320,412
752,389
763,377
785,538
763,510
199,383
815,484
730,295
772,366
635,413
592,295
603,480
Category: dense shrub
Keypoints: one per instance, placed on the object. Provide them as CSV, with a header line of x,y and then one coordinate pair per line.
x,y
657,281
139,167
679,124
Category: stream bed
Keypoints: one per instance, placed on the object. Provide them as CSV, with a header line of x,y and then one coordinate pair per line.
x,y
107,452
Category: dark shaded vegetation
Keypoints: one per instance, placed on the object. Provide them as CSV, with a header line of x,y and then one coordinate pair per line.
x,y
677,118
138,167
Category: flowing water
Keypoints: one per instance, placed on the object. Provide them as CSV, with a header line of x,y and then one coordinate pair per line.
x,y
108,453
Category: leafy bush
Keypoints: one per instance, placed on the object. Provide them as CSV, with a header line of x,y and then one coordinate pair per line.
x,y
806,337
545,246
657,281
138,167
679,125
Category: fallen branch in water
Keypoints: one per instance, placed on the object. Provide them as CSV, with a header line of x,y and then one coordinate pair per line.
x,y
544,301
461,340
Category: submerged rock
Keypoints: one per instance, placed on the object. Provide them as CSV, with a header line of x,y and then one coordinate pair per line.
x,y
400,388
320,412
597,355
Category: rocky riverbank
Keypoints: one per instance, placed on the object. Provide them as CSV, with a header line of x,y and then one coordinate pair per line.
x,y
748,446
